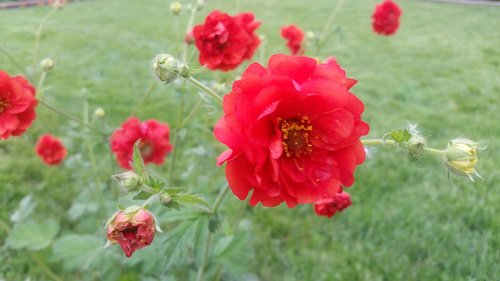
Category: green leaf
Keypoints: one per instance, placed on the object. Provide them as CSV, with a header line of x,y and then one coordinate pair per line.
x,y
26,207
400,136
138,163
192,200
33,235
77,251
185,214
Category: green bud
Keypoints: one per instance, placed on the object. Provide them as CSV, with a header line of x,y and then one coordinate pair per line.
x,y
129,180
175,8
47,64
165,67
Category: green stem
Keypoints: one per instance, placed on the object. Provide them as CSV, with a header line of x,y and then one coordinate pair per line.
x,y
220,198
205,89
206,251
188,29
375,142
69,116
325,34
435,152
44,267
180,116
146,94
38,35
39,86
15,63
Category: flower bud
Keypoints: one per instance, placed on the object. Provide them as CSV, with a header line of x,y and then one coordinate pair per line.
x,y
189,38
184,70
133,228
175,8
310,35
461,157
99,112
165,67
200,4
329,206
47,64
129,180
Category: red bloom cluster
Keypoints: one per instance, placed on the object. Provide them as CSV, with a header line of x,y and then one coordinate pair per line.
x,y
154,146
295,36
132,228
386,18
50,149
224,41
292,130
330,205
17,105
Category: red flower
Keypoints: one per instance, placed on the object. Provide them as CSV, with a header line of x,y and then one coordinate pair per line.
x,y
292,130
386,18
154,146
224,41
294,35
328,206
50,149
132,228
17,105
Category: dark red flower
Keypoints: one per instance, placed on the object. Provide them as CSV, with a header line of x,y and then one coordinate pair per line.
x,y
50,149
224,41
295,36
292,130
328,206
385,18
132,228
154,146
17,105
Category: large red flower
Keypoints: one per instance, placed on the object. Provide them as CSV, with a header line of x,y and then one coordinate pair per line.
x,y
294,36
17,105
154,145
292,130
385,18
329,206
224,41
50,149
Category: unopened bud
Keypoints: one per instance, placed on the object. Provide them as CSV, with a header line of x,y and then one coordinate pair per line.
x,y
175,8
47,64
99,112
184,70
310,35
461,157
129,180
165,67
200,4
189,38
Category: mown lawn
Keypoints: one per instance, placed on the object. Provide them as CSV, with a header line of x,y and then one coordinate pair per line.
x,y
409,221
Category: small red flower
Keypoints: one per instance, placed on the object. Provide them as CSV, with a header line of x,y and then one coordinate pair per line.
x,y
295,36
17,105
328,206
133,228
154,146
385,18
292,130
50,149
224,41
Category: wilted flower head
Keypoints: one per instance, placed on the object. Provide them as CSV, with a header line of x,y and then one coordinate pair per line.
x,y
132,228
461,157
329,206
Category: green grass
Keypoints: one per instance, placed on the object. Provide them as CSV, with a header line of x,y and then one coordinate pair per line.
x,y
408,220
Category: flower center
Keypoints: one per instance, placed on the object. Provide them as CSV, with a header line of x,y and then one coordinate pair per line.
x,y
145,148
295,136
3,104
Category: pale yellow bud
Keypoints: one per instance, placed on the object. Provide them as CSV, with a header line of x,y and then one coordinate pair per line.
x,y
47,64
461,157
175,8
99,112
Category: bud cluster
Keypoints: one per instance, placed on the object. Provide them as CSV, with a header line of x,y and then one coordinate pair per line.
x,y
167,68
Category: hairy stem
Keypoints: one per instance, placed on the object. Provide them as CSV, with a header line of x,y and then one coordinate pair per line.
x,y
200,86
327,28
38,35
15,63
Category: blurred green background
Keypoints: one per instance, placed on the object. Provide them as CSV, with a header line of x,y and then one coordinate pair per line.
x,y
408,221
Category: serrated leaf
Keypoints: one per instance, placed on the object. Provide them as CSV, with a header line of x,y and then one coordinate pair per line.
x,y
192,200
26,207
33,235
224,245
77,251
138,163
142,195
186,214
